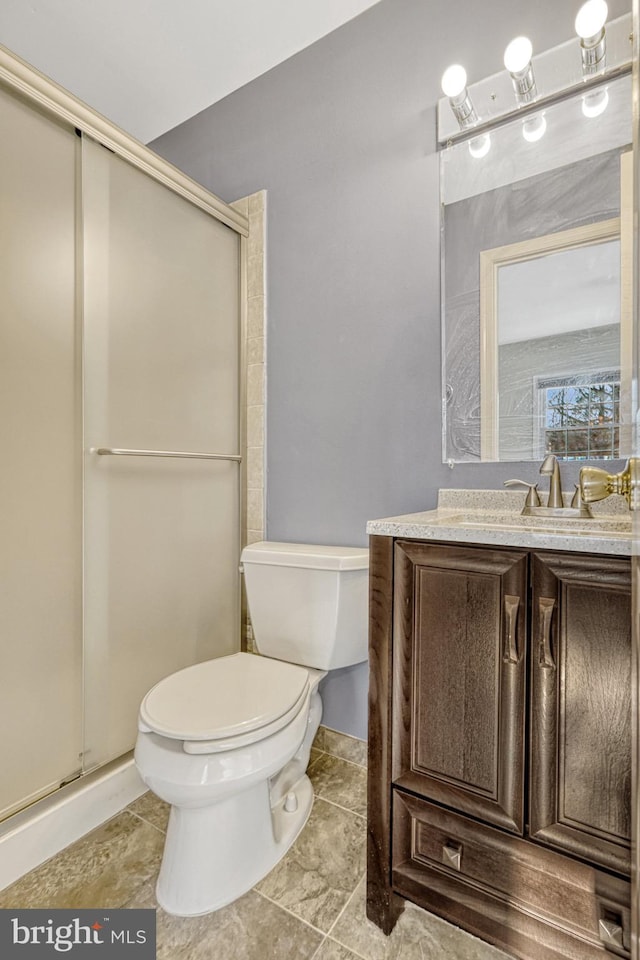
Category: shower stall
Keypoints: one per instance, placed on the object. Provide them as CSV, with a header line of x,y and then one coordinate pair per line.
x,y
121,315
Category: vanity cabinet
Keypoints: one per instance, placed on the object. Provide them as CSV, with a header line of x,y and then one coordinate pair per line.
x,y
500,743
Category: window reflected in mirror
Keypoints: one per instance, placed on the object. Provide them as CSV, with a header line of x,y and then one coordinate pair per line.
x,y
579,417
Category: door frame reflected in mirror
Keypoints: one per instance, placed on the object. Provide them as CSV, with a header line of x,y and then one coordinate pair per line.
x,y
492,260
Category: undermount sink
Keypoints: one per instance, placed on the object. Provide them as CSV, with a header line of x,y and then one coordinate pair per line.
x,y
609,526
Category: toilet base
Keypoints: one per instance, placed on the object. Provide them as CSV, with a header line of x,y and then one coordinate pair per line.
x,y
214,854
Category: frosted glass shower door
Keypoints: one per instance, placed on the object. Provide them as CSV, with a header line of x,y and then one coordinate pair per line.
x,y
40,437
162,534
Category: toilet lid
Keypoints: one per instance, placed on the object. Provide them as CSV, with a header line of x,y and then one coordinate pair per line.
x,y
224,698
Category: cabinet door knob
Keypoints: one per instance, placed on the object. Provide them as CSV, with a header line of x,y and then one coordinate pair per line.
x,y
452,855
610,932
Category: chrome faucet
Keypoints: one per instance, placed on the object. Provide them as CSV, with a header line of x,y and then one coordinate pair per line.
x,y
554,506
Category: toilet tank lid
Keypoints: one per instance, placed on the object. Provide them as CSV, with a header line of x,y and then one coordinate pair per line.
x,y
306,555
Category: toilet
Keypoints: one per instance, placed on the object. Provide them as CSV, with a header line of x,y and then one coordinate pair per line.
x,y
226,742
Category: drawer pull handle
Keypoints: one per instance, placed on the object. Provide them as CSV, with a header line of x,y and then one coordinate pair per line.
x,y
511,605
545,609
452,855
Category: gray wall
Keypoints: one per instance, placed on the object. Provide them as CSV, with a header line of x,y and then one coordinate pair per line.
x,y
343,138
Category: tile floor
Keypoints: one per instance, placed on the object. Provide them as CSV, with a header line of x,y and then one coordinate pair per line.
x,y
310,907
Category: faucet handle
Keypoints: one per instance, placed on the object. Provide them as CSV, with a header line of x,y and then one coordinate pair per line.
x,y
533,497
576,500
578,503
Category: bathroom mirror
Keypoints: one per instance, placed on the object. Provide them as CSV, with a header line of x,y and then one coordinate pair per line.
x,y
536,275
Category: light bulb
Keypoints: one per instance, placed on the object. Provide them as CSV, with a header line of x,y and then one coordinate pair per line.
x,y
454,86
454,80
534,128
595,103
517,56
591,18
479,147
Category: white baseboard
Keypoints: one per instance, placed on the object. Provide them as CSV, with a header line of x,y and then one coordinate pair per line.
x,y
34,835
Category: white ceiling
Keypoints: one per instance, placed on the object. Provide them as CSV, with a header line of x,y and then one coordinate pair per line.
x,y
148,65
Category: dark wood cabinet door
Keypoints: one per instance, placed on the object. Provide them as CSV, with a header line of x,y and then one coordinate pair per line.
x,y
580,788
459,633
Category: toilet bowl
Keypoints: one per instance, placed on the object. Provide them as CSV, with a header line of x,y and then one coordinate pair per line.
x,y
226,742
234,812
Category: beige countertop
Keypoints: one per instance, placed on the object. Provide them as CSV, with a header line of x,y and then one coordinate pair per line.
x,y
493,517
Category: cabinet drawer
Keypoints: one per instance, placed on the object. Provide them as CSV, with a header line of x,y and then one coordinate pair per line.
x,y
510,890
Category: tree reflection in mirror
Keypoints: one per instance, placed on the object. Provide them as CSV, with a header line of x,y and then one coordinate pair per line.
x,y
579,416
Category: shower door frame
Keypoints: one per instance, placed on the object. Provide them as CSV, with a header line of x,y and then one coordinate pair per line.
x,y
34,86
35,89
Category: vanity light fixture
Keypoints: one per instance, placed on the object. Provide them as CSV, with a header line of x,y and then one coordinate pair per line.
x,y
534,128
534,80
454,86
590,22
593,104
517,60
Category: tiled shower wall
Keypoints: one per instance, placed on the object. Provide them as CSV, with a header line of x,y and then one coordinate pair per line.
x,y
254,207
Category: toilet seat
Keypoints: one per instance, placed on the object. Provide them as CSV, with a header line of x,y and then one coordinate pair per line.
x,y
225,703
246,739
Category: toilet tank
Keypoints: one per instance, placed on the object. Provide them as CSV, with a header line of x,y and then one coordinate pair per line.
x,y
308,604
